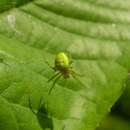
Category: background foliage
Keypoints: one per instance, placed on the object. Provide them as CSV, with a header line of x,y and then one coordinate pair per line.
x,y
95,33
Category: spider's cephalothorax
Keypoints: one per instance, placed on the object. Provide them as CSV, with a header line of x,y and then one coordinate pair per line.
x,y
62,67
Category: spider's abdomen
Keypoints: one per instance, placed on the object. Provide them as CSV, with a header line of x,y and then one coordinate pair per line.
x,y
61,60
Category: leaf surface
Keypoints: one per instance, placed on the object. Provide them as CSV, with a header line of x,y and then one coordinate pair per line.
x,y
97,38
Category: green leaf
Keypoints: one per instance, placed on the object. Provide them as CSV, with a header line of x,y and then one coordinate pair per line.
x,y
97,38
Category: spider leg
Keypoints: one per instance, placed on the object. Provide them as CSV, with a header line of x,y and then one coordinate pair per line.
x,y
54,76
50,65
53,85
76,78
75,73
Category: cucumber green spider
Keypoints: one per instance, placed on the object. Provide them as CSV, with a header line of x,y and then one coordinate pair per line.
x,y
63,68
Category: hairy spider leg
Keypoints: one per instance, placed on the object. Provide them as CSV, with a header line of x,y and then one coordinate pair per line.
x,y
54,76
74,75
53,68
53,85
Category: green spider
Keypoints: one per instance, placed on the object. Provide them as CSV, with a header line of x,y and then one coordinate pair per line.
x,y
63,68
